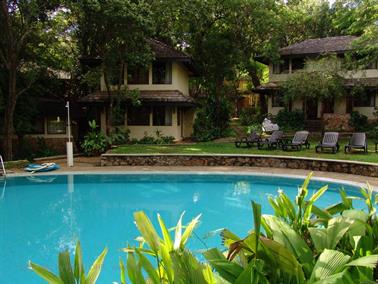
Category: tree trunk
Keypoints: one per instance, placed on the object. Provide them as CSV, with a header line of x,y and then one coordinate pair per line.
x,y
262,99
8,114
109,112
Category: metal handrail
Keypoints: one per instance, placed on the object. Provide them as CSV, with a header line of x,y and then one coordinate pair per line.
x,y
2,165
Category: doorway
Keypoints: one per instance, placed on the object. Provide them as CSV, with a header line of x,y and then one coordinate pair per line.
x,y
311,108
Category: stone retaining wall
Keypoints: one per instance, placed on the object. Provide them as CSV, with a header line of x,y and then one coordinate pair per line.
x,y
348,167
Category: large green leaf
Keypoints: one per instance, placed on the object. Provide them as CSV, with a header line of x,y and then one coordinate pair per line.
x,y
329,262
338,278
166,236
134,270
178,233
95,269
369,261
187,268
167,261
65,269
279,257
50,277
149,268
285,235
78,263
226,269
253,274
328,238
122,271
147,230
257,220
189,230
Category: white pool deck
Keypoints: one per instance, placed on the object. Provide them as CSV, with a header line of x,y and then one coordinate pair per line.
x,y
84,165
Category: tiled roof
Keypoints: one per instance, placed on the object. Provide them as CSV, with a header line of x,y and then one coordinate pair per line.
x,y
164,51
337,44
173,96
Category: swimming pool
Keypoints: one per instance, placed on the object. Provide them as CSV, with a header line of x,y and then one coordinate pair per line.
x,y
42,215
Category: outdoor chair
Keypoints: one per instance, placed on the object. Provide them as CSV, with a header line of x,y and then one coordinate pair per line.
x,y
330,141
272,142
300,139
248,140
357,141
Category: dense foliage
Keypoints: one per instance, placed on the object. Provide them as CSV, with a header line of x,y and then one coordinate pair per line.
x,y
300,243
212,120
290,119
250,115
358,121
95,142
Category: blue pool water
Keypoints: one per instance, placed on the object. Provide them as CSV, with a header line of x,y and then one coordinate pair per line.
x,y
42,215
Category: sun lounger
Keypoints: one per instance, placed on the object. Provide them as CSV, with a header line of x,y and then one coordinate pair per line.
x,y
271,142
300,139
357,141
248,141
330,141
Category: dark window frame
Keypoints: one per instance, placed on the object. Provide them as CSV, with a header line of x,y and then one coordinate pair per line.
x,y
159,116
138,75
162,72
278,99
135,116
365,100
59,120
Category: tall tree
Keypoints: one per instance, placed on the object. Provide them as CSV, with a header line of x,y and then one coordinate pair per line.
x,y
116,32
21,23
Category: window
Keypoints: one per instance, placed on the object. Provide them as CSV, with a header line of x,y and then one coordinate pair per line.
x,y
278,100
56,125
138,115
161,72
364,100
137,75
297,64
179,111
282,67
162,116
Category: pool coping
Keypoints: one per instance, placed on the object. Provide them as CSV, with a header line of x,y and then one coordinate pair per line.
x,y
161,172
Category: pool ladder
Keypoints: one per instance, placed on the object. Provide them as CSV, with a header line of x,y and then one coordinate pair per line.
x,y
2,166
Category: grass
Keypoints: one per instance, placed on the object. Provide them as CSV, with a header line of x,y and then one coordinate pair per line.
x,y
229,148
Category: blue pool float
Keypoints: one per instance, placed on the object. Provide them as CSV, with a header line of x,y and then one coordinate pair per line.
x,y
45,167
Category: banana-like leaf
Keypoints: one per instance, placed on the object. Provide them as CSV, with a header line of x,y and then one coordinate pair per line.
x,y
310,202
50,277
122,271
189,230
253,274
329,263
328,238
323,215
256,208
134,271
226,269
168,263
187,268
369,261
149,268
147,230
228,237
285,235
95,269
279,257
338,278
65,269
209,275
78,263
166,236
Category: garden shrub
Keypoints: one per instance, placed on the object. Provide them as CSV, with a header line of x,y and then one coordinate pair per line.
x,y
119,136
358,121
212,120
250,115
95,142
160,139
290,120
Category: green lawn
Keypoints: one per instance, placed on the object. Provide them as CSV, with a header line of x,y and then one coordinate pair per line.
x,y
229,148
